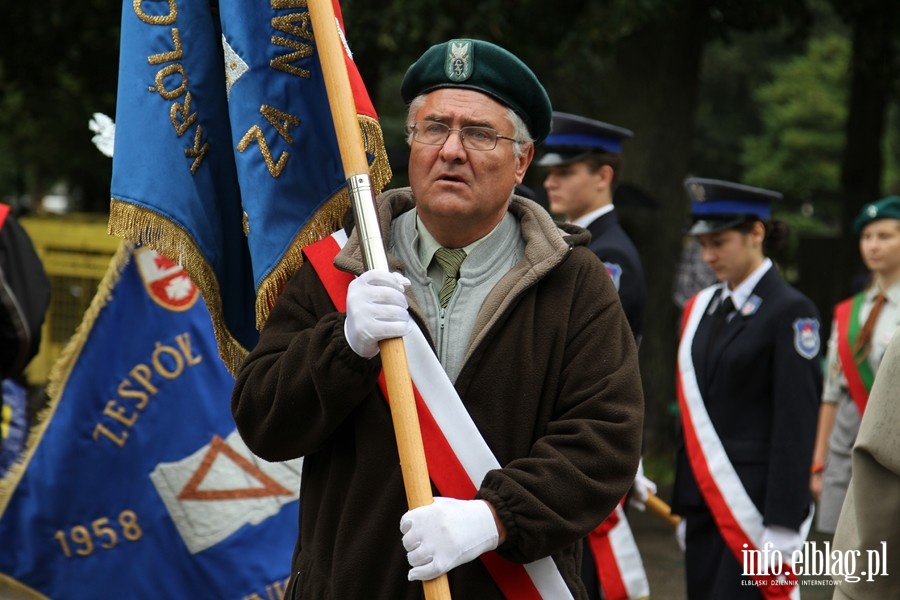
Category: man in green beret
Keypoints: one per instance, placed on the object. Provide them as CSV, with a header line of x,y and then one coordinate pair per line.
x,y
531,405
862,327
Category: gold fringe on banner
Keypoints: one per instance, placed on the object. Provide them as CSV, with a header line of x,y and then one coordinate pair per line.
x,y
326,221
62,368
147,228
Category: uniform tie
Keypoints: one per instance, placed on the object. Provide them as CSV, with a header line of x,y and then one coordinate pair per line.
x,y
450,261
719,317
861,349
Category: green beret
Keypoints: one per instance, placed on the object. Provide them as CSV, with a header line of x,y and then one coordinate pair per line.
x,y
487,68
886,208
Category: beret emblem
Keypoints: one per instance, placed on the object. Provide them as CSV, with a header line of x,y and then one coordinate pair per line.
x,y
459,60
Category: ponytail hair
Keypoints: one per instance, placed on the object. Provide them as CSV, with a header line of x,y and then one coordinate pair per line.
x,y
776,233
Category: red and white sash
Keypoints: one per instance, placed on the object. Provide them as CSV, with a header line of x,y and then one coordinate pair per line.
x,y
618,559
458,458
739,521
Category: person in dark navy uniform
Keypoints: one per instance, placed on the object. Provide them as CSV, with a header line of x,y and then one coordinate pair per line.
x,y
583,158
754,355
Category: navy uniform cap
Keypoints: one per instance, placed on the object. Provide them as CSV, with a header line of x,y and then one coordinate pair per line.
x,y
717,205
886,208
487,68
573,137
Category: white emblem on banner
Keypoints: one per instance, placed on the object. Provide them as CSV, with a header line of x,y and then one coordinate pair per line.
x,y
222,487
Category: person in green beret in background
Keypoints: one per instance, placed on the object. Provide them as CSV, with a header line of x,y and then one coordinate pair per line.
x,y
862,327
512,308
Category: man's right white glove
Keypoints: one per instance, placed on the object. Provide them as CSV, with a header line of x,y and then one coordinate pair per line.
x,y
680,531
376,310
445,534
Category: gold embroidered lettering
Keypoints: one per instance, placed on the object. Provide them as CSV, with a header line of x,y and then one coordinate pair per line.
x,y
184,342
198,151
281,121
297,25
187,118
104,533
117,413
124,392
255,134
286,24
274,591
118,440
156,19
283,4
142,374
169,361
172,55
283,61
160,365
166,71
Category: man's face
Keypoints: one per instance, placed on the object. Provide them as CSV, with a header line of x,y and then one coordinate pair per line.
x,y
461,194
573,189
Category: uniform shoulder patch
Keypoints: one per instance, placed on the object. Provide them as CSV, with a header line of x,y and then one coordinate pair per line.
x,y
615,271
806,338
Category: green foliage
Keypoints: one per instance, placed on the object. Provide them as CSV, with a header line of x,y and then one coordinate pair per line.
x,y
803,111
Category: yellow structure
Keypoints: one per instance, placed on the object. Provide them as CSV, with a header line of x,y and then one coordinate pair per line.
x,y
76,251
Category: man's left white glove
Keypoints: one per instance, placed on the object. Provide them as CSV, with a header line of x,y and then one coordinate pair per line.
x,y
641,488
446,534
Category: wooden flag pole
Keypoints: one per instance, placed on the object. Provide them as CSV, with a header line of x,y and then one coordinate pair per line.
x,y
658,506
393,353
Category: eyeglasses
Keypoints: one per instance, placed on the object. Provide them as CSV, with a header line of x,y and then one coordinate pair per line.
x,y
473,138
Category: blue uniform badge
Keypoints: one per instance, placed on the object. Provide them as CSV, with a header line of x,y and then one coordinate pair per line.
x,y
806,337
615,271
751,305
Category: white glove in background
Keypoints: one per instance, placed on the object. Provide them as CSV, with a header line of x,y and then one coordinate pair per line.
x,y
446,534
105,130
376,310
641,488
783,539
680,534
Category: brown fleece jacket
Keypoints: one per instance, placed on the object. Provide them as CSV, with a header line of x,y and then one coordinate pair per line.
x,y
550,379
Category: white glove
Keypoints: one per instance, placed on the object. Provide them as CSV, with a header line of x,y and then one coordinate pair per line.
x,y
376,310
105,129
783,539
680,534
641,489
446,534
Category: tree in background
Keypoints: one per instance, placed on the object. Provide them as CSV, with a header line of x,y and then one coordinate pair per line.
x,y
58,65
874,70
803,110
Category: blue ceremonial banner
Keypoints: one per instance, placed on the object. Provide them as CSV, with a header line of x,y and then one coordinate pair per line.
x,y
225,156
134,483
